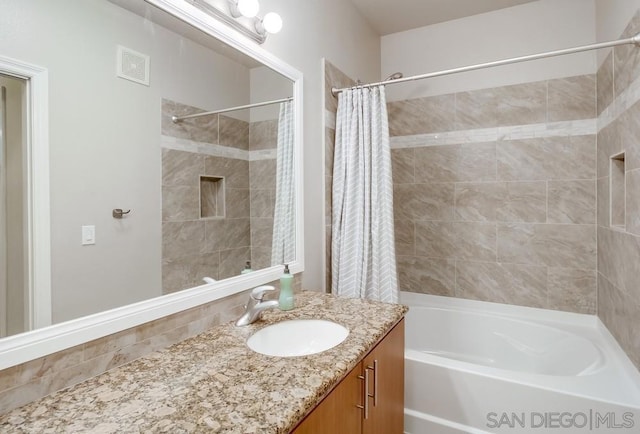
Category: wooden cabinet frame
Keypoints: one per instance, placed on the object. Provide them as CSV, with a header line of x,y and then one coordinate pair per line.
x,y
370,399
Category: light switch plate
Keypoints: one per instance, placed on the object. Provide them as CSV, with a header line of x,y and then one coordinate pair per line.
x,y
88,235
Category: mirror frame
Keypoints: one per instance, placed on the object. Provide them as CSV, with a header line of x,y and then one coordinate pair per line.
x,y
37,343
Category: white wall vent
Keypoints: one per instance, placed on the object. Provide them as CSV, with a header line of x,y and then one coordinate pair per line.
x,y
132,65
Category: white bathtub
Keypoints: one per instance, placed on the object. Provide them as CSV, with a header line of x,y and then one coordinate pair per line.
x,y
477,367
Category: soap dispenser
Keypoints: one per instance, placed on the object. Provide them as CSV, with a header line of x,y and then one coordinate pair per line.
x,y
247,268
286,290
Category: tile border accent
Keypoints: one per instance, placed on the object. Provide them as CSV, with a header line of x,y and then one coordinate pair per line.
x,y
177,144
263,154
620,104
329,119
482,135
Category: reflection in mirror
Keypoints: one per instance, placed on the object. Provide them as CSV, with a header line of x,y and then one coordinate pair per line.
x,y
203,192
224,181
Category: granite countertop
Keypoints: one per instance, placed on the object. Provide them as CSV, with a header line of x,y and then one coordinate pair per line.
x,y
213,382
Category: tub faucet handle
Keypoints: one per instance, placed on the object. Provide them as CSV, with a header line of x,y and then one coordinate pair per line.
x,y
259,292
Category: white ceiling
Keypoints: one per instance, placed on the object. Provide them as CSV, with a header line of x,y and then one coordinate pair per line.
x,y
399,15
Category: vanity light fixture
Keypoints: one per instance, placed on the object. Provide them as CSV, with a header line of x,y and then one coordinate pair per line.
x,y
242,15
248,8
271,23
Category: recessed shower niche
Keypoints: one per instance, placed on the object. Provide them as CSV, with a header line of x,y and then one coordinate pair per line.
x,y
617,190
212,197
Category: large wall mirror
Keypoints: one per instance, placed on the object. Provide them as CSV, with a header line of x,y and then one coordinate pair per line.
x,y
147,201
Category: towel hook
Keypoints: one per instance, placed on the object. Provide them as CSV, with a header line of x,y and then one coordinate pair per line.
x,y
119,213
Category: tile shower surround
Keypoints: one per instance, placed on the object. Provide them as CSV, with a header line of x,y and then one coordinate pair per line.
x,y
483,217
509,221
215,247
618,102
521,214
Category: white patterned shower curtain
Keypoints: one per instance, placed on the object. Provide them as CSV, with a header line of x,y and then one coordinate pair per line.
x,y
283,247
363,262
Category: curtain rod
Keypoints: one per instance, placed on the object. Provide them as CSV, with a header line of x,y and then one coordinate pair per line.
x,y
633,40
242,107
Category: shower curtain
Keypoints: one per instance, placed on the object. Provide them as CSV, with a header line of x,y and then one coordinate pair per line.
x,y
283,248
363,250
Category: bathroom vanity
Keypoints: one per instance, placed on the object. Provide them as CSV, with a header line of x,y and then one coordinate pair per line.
x,y
214,383
369,400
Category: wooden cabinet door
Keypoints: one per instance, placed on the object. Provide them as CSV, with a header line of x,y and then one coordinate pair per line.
x,y
341,411
338,412
386,400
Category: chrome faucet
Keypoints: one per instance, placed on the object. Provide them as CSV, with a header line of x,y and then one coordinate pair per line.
x,y
255,306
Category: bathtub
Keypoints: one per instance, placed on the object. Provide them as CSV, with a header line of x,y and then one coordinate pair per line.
x,y
478,367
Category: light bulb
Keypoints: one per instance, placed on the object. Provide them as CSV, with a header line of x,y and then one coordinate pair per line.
x,y
272,22
248,8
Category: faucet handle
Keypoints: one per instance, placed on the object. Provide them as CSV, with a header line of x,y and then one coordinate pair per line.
x,y
258,293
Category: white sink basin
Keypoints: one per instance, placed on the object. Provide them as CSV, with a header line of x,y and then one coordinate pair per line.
x,y
297,337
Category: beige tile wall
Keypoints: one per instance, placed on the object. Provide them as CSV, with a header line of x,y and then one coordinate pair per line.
x,y
564,99
509,221
619,248
263,135
263,199
194,247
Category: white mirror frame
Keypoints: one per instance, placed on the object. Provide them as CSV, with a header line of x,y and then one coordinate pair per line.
x,y
27,346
